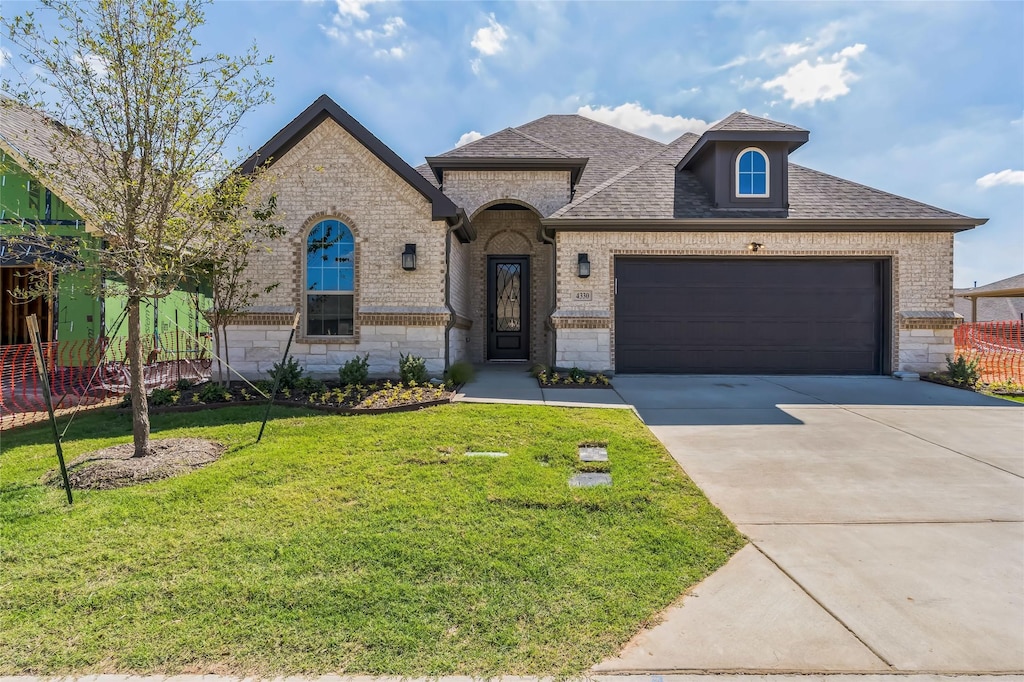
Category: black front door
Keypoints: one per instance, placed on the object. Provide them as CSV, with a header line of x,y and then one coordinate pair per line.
x,y
508,308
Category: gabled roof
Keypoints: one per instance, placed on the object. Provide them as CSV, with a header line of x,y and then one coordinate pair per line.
x,y
740,120
30,136
323,108
742,127
598,151
507,143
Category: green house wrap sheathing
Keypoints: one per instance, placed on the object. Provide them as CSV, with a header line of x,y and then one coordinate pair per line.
x,y
82,309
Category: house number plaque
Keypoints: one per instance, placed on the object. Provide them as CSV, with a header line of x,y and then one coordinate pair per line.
x,y
582,296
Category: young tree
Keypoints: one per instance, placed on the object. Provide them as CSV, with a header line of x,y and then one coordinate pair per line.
x,y
145,119
246,225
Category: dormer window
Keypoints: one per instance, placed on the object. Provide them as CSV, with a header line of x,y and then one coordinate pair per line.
x,y
752,173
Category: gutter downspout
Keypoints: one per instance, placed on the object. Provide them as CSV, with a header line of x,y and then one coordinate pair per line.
x,y
544,237
448,287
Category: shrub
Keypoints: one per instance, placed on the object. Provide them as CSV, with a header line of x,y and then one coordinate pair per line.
x,y
309,385
576,374
963,371
355,371
287,373
163,396
184,384
412,369
212,392
460,374
537,370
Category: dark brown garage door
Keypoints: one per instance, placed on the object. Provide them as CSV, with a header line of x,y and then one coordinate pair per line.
x,y
763,316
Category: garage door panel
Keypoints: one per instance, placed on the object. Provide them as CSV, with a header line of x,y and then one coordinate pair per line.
x,y
746,316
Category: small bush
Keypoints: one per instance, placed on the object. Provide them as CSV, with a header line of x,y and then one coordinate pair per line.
x,y
163,396
288,373
963,371
212,392
355,371
460,374
576,374
412,369
537,370
309,385
184,384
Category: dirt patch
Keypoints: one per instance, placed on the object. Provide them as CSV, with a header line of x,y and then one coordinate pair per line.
x,y
114,467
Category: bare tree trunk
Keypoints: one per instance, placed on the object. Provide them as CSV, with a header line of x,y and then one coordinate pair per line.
x,y
140,405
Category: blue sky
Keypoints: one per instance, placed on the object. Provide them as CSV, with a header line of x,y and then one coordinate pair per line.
x,y
922,99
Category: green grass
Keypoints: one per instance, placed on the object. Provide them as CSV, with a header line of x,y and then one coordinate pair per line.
x,y
364,544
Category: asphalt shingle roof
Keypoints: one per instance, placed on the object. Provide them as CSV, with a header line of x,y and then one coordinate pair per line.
x,y
741,121
508,143
634,178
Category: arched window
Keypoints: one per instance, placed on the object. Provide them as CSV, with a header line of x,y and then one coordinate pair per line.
x,y
752,173
330,279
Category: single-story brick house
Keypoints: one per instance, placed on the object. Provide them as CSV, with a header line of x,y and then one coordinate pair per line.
x,y
570,242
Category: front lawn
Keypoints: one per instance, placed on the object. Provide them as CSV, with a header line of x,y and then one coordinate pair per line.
x,y
367,544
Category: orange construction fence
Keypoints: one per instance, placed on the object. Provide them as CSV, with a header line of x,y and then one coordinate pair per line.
x,y
93,371
997,346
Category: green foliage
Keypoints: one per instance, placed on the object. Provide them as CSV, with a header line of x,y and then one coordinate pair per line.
x,y
460,374
287,374
163,396
184,384
412,369
576,374
963,371
355,371
212,392
309,385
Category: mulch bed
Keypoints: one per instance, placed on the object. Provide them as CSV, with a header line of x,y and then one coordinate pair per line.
x,y
115,467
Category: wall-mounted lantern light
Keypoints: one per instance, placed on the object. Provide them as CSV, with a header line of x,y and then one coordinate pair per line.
x,y
583,263
409,257
754,247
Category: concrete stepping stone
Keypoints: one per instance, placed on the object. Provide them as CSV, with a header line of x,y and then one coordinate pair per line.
x,y
593,453
589,480
486,454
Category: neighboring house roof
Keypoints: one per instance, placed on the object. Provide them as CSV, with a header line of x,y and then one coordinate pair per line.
x,y
320,110
1002,300
31,138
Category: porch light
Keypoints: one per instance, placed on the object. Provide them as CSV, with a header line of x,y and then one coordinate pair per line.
x,y
409,257
754,247
583,262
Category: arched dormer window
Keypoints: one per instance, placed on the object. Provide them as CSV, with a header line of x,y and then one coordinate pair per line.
x,y
330,279
752,173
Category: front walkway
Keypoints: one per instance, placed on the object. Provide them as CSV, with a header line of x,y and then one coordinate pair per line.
x,y
512,383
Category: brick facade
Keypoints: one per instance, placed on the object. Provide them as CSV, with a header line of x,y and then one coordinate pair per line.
x,y
330,174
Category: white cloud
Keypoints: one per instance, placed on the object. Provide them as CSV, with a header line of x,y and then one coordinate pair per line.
x,y
490,40
634,118
471,136
823,81
476,65
5,56
389,29
787,52
353,9
1003,177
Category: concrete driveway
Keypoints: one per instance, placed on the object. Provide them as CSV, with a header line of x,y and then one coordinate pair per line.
x,y
886,522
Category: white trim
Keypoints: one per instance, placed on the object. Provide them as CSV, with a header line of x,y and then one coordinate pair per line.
x,y
306,293
767,175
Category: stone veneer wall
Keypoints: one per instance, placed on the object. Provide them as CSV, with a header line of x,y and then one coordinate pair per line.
x,y
546,191
922,284
329,174
510,233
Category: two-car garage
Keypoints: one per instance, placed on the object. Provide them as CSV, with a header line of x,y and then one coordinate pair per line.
x,y
756,315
